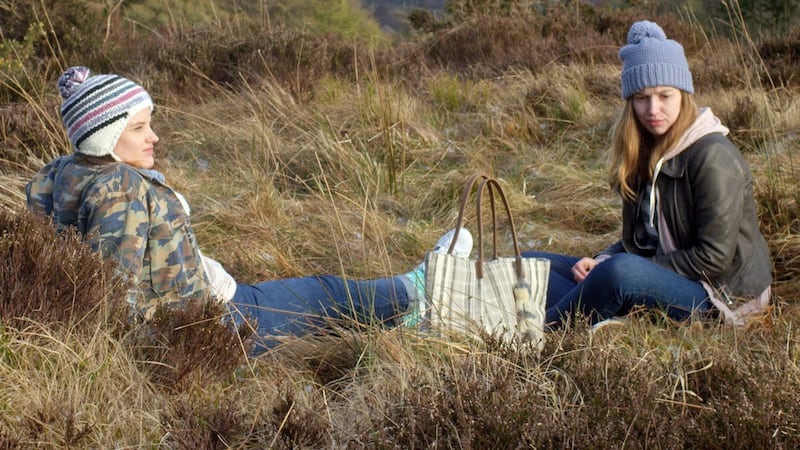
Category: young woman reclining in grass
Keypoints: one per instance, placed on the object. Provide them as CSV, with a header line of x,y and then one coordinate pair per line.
x,y
109,190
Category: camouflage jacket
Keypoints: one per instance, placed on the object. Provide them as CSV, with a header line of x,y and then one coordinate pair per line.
x,y
130,215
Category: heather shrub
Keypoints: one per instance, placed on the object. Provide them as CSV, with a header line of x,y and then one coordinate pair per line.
x,y
37,36
203,421
463,9
684,388
488,36
202,55
189,346
44,38
16,59
70,24
719,65
754,116
649,384
781,56
30,133
475,401
58,281
55,280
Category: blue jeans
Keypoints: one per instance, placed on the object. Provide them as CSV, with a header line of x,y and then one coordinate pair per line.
x,y
297,306
616,286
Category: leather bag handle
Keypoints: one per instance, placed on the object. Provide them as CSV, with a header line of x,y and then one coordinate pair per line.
x,y
485,182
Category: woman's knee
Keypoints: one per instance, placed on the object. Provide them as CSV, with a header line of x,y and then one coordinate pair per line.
x,y
621,267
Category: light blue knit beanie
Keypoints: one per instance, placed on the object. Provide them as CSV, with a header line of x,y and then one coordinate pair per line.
x,y
96,109
650,59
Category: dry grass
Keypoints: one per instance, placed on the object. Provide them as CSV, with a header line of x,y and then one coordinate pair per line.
x,y
303,154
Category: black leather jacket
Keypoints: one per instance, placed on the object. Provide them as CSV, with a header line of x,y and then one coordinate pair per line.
x,y
706,198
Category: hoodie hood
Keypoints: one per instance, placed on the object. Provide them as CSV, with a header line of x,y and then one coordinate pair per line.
x,y
706,123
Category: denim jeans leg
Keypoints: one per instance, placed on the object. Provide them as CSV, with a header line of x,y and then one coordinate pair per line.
x,y
560,279
625,281
298,306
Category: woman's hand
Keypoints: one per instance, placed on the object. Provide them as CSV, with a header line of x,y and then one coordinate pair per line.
x,y
582,268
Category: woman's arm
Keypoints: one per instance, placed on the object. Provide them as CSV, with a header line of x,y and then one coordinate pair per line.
x,y
612,249
718,183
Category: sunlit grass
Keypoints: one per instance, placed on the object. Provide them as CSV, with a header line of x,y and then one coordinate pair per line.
x,y
293,170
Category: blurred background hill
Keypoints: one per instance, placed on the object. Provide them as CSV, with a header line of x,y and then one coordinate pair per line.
x,y
392,16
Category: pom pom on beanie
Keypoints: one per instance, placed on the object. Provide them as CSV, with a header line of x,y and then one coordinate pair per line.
x,y
96,109
650,59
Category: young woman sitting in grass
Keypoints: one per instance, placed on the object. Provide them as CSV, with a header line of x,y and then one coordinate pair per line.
x,y
109,190
691,243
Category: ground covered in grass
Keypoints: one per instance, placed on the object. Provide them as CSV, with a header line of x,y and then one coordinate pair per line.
x,y
279,136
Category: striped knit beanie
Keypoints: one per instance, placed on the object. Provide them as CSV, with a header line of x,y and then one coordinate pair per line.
x,y
650,59
97,108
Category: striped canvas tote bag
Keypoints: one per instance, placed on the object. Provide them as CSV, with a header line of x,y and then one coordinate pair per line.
x,y
492,295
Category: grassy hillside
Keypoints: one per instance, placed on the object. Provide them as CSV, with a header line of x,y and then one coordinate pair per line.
x,y
281,133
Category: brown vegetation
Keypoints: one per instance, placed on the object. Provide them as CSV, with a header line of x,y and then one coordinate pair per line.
x,y
305,153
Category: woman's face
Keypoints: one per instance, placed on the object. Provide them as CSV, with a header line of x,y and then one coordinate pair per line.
x,y
135,144
657,108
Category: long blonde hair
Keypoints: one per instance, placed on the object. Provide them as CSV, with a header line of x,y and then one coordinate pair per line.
x,y
635,151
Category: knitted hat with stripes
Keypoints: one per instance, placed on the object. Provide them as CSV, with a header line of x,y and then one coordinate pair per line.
x,y
97,108
650,59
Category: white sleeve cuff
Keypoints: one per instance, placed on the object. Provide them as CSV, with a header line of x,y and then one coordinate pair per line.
x,y
222,283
